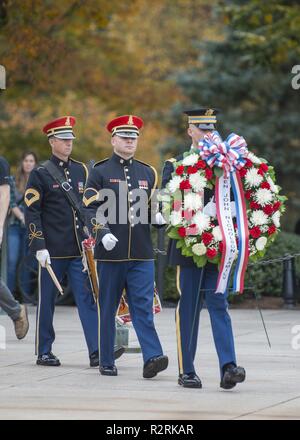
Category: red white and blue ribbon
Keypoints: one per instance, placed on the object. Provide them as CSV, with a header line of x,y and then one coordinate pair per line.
x,y
230,156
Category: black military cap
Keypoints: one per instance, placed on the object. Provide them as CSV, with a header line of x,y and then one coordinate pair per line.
x,y
204,118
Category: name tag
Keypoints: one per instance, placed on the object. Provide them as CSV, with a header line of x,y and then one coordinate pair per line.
x,y
143,184
115,180
80,187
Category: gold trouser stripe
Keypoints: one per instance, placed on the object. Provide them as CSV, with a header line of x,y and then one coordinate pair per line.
x,y
37,341
98,310
178,332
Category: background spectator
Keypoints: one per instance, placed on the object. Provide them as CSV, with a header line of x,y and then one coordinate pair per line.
x,y
16,236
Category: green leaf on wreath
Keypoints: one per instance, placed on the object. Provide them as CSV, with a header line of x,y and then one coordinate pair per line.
x,y
200,260
179,244
218,172
173,234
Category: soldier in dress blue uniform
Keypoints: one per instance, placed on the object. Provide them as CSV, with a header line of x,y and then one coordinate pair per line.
x,y
124,251
193,281
55,236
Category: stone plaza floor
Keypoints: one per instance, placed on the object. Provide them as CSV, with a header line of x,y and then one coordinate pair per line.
x,y
74,391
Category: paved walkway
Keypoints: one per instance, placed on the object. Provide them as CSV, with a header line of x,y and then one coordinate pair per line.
x,y
74,391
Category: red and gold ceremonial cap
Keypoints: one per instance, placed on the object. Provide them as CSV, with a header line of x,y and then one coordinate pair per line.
x,y
127,126
62,128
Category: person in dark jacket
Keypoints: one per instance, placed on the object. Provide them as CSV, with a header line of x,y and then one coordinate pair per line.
x,y
124,251
193,281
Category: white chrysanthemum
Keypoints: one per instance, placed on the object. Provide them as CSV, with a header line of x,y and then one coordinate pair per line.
x,y
254,158
264,228
217,233
198,181
274,187
263,196
174,184
253,179
202,221
261,243
192,201
199,249
190,240
276,219
175,218
190,160
259,218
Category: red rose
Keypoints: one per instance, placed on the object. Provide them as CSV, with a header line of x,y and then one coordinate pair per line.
x,y
265,185
180,170
272,230
211,253
248,194
255,232
182,232
249,163
254,205
192,170
200,165
185,185
276,206
207,238
209,174
243,172
268,209
263,169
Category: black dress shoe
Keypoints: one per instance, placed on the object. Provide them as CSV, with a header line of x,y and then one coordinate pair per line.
x,y
190,380
231,376
154,366
94,359
108,371
119,351
48,360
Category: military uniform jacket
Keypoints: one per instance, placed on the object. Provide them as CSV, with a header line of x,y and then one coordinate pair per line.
x,y
51,221
175,258
134,239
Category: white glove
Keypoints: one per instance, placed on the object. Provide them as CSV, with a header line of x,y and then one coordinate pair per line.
x,y
210,209
159,219
43,257
109,241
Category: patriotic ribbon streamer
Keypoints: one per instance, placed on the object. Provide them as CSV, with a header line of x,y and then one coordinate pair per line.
x,y
230,156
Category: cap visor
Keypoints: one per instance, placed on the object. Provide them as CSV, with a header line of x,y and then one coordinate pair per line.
x,y
206,126
127,135
65,136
